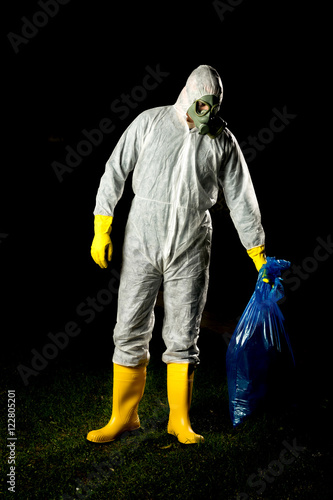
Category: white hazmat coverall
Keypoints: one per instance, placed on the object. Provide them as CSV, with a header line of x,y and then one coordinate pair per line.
x,y
177,174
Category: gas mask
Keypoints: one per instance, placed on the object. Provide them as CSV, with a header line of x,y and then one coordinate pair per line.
x,y
203,113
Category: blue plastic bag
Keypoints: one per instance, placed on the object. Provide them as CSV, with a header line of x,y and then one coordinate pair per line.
x,y
255,343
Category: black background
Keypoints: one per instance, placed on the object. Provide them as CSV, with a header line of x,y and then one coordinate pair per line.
x,y
269,55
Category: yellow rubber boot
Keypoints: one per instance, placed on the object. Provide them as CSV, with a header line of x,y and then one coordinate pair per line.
x,y
128,388
180,384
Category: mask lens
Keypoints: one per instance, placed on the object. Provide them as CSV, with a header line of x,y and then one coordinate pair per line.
x,y
202,108
215,109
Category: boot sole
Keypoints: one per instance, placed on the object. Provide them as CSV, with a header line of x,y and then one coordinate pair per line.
x,y
102,441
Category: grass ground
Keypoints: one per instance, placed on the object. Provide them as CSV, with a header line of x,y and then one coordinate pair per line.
x,y
55,412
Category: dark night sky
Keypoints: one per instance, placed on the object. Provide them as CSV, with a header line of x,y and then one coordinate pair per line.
x,y
66,78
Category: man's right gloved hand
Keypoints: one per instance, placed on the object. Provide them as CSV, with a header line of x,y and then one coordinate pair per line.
x,y
101,248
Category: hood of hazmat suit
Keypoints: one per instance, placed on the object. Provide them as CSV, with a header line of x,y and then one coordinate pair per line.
x,y
204,84
204,80
177,174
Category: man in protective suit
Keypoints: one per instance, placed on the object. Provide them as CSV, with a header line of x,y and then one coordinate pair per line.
x,y
180,156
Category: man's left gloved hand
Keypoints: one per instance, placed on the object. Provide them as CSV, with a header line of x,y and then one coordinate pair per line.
x,y
258,256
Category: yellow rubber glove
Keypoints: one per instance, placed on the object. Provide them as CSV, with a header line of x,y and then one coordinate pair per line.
x,y
101,248
258,256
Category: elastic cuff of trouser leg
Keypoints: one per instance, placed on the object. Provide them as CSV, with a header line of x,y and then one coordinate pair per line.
x,y
134,367
131,365
192,363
